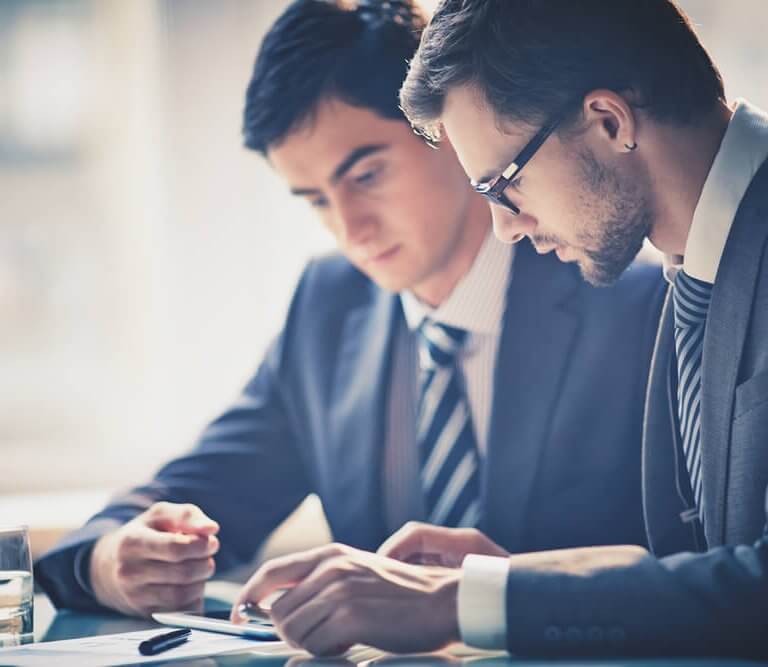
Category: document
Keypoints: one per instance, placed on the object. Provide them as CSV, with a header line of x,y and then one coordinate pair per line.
x,y
123,649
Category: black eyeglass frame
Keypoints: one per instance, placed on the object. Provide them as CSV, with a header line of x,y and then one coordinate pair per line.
x,y
493,189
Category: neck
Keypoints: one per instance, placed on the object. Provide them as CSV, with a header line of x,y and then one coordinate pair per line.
x,y
680,161
438,287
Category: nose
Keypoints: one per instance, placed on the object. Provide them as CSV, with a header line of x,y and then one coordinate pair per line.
x,y
353,224
511,228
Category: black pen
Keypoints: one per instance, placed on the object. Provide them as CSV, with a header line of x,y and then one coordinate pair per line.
x,y
163,642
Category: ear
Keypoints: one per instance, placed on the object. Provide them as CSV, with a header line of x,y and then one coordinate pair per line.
x,y
613,118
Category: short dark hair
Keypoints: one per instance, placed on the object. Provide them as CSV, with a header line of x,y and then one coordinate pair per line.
x,y
357,52
531,58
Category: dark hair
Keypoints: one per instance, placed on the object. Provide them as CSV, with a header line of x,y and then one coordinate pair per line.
x,y
318,49
531,58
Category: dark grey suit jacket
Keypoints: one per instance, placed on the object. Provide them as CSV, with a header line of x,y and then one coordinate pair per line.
x,y
563,459
693,596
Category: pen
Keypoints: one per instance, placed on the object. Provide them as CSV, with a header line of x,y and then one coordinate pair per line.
x,y
163,642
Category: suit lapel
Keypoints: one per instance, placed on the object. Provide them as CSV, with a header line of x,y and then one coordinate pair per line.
x,y
662,501
727,322
526,385
358,421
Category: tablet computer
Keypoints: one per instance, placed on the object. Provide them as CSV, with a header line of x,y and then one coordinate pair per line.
x,y
217,621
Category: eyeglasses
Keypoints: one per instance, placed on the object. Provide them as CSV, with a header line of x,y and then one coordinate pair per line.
x,y
493,189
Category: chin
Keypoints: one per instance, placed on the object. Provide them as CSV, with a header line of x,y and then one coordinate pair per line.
x,y
390,283
600,276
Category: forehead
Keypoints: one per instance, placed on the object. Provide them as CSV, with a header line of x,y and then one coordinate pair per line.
x,y
329,134
483,144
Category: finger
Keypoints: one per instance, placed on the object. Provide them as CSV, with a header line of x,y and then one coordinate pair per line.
x,y
161,572
316,608
333,636
180,518
145,543
284,572
165,597
415,539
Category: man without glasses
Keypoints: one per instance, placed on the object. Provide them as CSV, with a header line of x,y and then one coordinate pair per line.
x,y
590,126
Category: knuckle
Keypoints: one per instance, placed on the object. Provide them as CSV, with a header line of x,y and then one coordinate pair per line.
x,y
409,530
176,551
123,572
186,570
337,549
339,591
160,507
336,568
127,543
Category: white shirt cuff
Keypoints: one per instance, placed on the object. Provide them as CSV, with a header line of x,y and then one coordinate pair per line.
x,y
482,604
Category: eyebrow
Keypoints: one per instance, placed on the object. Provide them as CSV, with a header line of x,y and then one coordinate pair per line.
x,y
497,172
344,166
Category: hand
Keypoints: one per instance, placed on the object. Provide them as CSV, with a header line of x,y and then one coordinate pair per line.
x,y
426,544
159,561
340,596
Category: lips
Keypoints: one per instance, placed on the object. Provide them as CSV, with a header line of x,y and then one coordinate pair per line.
x,y
382,256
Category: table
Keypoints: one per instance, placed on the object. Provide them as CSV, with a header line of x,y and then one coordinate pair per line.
x,y
50,626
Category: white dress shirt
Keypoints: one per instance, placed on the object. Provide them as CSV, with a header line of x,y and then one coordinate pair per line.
x,y
483,588
743,149
476,304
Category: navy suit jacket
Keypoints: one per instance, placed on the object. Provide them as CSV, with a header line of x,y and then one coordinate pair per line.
x,y
701,592
563,459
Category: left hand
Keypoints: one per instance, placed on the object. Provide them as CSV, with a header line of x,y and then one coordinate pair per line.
x,y
340,596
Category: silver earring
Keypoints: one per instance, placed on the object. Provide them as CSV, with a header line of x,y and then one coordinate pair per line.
x,y
632,147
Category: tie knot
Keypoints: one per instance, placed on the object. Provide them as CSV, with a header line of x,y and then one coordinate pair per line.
x,y
691,299
439,343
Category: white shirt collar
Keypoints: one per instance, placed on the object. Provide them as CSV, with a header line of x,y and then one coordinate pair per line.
x,y
477,302
743,149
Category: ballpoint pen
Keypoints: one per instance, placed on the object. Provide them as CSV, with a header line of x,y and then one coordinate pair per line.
x,y
163,642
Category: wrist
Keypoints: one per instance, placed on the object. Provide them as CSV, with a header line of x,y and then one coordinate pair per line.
x,y
100,569
447,604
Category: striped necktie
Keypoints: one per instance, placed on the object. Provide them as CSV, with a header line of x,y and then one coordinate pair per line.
x,y
450,470
691,300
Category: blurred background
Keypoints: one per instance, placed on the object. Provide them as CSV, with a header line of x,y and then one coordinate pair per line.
x,y
146,258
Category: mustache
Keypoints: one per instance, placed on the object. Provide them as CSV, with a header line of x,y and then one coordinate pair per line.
x,y
545,239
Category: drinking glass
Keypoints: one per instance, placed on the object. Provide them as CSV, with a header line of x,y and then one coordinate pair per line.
x,y
16,600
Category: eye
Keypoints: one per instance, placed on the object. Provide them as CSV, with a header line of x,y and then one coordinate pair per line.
x,y
318,202
368,176
515,183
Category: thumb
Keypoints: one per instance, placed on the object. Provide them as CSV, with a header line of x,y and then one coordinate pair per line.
x,y
180,518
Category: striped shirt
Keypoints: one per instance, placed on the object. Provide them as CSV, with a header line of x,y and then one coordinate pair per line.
x,y
476,304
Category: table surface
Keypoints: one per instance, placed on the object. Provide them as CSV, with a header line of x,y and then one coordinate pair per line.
x,y
51,626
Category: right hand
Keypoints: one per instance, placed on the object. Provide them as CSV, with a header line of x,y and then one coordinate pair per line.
x,y
426,544
159,561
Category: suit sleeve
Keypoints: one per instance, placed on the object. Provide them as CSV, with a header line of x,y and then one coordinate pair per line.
x,y
624,601
246,472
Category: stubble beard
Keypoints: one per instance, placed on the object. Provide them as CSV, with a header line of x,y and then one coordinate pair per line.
x,y
613,235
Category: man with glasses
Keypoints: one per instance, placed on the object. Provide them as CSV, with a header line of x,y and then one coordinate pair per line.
x,y
591,126
426,372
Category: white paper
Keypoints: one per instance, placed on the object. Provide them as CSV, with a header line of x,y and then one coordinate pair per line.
x,y
123,649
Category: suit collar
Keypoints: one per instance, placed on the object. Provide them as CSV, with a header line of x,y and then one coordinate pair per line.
x,y
742,151
358,420
729,315
541,314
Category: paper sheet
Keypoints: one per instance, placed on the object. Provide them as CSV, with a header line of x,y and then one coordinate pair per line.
x,y
123,649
